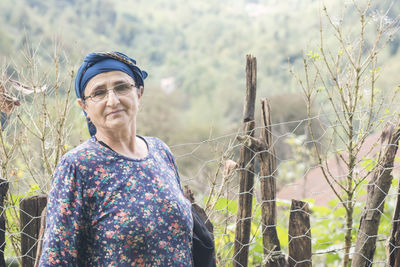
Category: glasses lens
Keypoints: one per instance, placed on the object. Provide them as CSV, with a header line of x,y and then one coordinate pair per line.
x,y
99,95
120,89
123,89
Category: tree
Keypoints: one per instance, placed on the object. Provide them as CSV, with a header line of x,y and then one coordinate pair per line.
x,y
38,132
346,81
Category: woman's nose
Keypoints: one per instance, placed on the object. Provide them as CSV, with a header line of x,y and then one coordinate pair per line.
x,y
112,98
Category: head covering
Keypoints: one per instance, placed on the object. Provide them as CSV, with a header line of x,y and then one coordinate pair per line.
x,y
96,63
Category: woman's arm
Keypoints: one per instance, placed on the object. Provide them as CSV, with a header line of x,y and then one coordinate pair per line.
x,y
64,223
172,163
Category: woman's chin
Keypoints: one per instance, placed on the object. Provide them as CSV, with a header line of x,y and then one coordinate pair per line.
x,y
117,125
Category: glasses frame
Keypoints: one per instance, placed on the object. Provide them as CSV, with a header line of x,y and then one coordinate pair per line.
x,y
91,97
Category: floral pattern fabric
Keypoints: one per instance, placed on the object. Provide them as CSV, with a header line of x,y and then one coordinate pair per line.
x,y
106,209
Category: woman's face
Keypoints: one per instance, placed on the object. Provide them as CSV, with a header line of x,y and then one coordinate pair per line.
x,y
114,112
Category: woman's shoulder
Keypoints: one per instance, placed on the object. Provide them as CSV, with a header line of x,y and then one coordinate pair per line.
x,y
156,143
85,150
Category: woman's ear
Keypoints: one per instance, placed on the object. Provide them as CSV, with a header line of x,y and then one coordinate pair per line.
x,y
81,103
140,91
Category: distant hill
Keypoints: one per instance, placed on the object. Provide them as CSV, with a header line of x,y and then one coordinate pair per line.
x,y
196,48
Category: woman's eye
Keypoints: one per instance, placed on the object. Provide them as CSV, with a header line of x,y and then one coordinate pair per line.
x,y
122,88
99,93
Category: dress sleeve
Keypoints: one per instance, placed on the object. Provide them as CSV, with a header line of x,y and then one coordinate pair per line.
x,y
172,163
64,222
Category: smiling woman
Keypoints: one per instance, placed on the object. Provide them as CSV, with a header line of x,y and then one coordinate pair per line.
x,y
116,200
111,104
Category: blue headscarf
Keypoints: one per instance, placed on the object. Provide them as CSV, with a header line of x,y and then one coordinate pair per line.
x,y
96,63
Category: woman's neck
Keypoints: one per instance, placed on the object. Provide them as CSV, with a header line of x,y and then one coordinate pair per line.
x,y
126,144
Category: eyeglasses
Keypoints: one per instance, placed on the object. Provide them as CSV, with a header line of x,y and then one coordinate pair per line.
x,y
119,90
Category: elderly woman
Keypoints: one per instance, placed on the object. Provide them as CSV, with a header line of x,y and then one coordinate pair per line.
x,y
116,200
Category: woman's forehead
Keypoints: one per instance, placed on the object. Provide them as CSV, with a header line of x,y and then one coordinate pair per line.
x,y
108,78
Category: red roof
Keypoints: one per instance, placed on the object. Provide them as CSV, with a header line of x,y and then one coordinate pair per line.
x,y
313,185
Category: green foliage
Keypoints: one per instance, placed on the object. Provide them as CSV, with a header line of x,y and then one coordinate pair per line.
x,y
298,164
12,218
196,43
202,45
224,232
327,229
369,164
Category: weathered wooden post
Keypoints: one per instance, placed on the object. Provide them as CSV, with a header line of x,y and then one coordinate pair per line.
x,y
266,155
40,237
393,247
3,192
246,168
300,250
30,213
378,188
272,247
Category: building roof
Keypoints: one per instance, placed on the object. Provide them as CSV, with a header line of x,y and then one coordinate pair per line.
x,y
313,185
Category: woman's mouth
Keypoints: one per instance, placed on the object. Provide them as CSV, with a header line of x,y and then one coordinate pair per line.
x,y
114,112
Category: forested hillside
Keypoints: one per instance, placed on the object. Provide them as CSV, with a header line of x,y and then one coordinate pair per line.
x,y
195,48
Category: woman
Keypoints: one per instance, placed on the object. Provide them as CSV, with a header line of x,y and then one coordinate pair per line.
x,y
116,199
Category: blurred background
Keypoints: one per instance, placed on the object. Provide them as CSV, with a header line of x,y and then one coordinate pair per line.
x,y
194,52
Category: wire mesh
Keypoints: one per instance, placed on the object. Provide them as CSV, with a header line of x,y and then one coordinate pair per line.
x,y
210,168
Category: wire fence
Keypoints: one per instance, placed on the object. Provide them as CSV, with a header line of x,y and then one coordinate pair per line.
x,y
211,168
37,135
309,191
306,182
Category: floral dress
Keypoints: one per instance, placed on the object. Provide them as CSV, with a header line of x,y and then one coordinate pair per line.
x,y
106,209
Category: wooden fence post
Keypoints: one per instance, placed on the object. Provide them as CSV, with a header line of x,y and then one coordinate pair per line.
x,y
272,248
3,192
40,237
300,250
246,174
378,188
30,212
393,247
